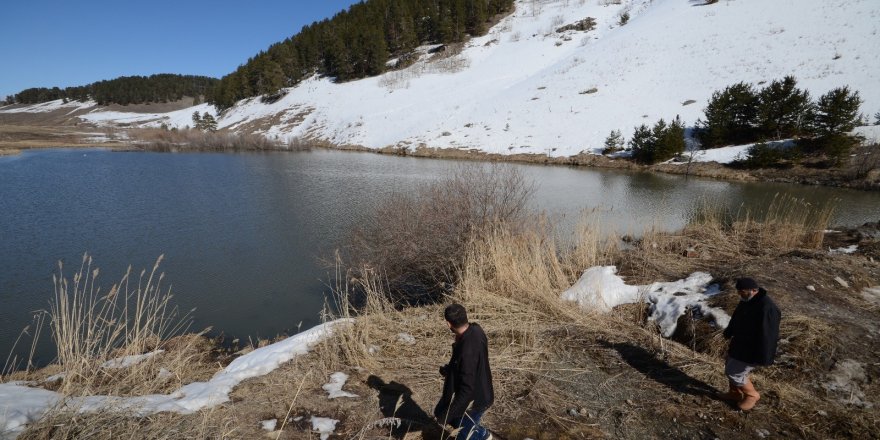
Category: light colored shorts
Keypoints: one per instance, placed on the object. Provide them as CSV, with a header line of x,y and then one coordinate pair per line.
x,y
738,371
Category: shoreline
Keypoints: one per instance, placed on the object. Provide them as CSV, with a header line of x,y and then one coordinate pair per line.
x,y
798,174
600,367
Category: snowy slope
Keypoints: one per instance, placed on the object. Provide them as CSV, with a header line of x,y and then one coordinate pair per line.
x,y
522,87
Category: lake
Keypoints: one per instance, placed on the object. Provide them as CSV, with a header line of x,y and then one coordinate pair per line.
x,y
242,234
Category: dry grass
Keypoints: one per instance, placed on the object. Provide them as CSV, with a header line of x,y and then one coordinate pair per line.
x,y
547,356
417,240
108,425
158,139
90,328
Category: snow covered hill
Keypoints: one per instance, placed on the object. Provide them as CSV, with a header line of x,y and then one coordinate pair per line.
x,y
526,88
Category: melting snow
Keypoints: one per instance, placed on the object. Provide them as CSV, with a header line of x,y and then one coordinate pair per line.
x,y
127,361
600,288
844,250
406,338
324,426
20,405
269,425
334,388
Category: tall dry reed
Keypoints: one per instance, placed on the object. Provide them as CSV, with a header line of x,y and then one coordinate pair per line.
x,y
90,327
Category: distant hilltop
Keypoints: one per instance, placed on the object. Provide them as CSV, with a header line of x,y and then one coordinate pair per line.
x,y
553,77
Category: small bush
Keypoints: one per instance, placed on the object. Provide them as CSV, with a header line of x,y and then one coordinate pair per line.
x,y
762,155
418,239
157,139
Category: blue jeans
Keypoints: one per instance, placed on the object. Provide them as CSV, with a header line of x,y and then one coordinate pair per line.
x,y
470,426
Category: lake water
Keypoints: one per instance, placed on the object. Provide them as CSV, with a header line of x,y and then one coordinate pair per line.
x,y
242,233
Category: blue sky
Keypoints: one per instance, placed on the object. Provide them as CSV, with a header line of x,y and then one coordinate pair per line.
x,y
65,43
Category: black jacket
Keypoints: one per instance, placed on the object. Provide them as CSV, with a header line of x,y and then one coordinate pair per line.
x,y
754,330
467,376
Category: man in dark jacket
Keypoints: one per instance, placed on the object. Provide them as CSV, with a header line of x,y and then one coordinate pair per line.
x,y
467,384
753,332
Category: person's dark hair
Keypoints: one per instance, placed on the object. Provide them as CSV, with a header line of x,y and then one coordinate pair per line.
x,y
746,284
456,315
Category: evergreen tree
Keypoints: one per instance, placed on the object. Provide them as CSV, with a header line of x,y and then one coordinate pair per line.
x,y
837,112
614,142
731,117
208,122
783,109
876,115
642,144
670,139
659,143
197,120
358,42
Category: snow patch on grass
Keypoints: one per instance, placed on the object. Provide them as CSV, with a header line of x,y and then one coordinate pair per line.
x,y
334,388
600,288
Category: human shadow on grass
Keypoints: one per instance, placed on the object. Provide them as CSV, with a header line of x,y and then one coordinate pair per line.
x,y
395,400
660,371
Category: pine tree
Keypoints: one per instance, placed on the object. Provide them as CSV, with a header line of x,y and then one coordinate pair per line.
x,y
197,120
208,122
783,109
642,144
731,116
669,138
837,112
614,142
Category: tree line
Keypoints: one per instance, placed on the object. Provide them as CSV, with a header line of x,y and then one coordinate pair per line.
x,y
742,114
357,43
123,90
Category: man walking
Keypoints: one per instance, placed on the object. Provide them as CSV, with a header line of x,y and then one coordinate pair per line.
x,y
753,332
467,384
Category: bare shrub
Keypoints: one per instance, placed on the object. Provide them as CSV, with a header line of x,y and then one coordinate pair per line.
x,y
417,239
866,160
157,139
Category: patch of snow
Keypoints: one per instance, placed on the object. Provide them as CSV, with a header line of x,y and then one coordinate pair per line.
x,y
164,374
334,388
601,289
54,377
50,106
406,338
844,381
128,361
20,405
324,426
844,250
729,154
872,295
269,425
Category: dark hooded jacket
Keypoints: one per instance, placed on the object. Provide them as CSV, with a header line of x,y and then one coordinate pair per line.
x,y
467,376
754,330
